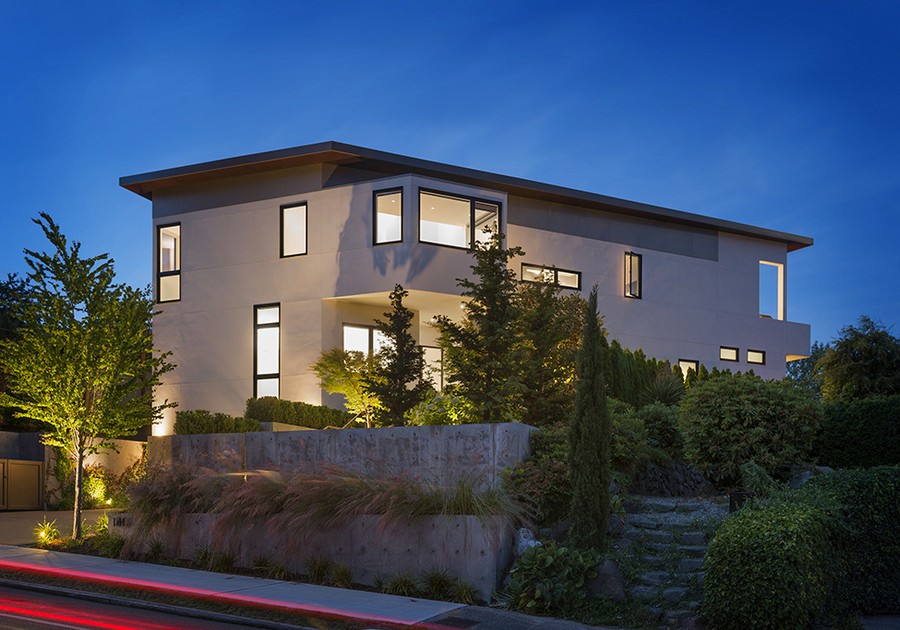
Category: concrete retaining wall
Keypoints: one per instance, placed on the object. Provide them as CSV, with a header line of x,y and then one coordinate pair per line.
x,y
476,550
439,453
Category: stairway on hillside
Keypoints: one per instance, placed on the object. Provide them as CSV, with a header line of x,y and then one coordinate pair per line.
x,y
668,538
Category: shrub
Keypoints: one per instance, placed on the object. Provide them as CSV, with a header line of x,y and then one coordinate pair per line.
x,y
630,446
767,568
666,387
403,585
542,481
729,420
661,422
301,414
549,579
45,532
201,421
862,433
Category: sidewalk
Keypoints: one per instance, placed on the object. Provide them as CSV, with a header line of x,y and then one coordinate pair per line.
x,y
234,589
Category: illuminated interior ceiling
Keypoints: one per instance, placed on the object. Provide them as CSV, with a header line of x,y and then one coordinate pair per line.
x,y
427,303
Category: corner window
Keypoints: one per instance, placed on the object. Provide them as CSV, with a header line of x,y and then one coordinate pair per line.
x,y
365,339
266,350
688,364
293,230
168,263
388,206
552,275
756,356
455,221
728,354
633,275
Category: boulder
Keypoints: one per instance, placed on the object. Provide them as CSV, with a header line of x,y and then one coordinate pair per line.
x,y
609,581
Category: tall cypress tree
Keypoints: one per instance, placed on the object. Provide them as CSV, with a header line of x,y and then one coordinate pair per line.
x,y
589,439
399,385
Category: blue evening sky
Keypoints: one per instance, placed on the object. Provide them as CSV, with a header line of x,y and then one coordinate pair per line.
x,y
782,114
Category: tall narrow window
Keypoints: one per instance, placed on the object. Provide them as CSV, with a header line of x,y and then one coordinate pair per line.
x,y
266,350
365,339
388,216
632,275
293,230
771,290
455,221
168,269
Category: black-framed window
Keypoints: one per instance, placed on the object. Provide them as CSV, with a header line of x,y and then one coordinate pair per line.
x,y
688,364
387,218
757,357
434,366
633,279
168,262
455,221
554,275
363,338
266,350
294,230
727,353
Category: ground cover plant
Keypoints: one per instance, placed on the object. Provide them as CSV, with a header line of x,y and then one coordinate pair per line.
x,y
860,433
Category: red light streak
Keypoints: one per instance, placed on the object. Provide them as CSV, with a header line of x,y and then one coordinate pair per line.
x,y
47,612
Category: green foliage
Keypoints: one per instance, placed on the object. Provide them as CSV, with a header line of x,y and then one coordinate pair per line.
x,y
766,568
542,481
633,376
590,439
860,433
318,570
483,354
196,421
341,576
402,585
661,423
551,324
728,421
398,383
863,361
629,447
344,372
437,409
666,388
45,532
13,292
83,362
551,580
757,481
301,414
805,374
437,585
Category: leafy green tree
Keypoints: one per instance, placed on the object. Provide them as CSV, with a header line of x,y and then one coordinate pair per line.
x,y
805,373
83,364
344,372
590,438
863,361
13,292
484,353
399,384
551,324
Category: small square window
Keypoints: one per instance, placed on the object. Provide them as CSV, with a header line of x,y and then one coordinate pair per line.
x,y
756,356
728,354
633,275
293,230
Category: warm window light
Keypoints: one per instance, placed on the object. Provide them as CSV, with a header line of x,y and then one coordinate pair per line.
x,y
727,353
632,275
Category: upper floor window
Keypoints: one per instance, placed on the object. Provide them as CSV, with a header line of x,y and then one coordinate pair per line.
x,y
539,273
688,364
756,356
266,350
365,339
633,275
293,230
388,216
727,353
455,221
168,263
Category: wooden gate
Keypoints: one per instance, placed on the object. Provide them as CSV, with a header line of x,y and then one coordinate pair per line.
x,y
21,484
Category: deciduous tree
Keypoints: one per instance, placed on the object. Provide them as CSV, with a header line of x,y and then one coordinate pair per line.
x,y
863,361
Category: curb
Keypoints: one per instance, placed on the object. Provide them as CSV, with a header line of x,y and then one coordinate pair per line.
x,y
181,611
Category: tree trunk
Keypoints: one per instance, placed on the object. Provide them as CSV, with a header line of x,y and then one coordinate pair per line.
x,y
79,483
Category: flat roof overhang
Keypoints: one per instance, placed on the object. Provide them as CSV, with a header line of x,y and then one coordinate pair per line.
x,y
338,153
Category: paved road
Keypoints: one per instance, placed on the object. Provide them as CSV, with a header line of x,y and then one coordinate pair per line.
x,y
24,610
17,528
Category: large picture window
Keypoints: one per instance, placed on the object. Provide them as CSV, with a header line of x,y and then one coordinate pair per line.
x,y
633,275
365,339
388,216
266,350
293,230
551,275
168,263
455,221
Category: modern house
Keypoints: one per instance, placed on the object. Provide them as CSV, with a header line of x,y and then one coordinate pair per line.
x,y
263,261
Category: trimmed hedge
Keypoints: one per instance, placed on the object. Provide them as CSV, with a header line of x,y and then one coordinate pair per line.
x,y
824,552
863,433
196,421
301,414
729,420
766,568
